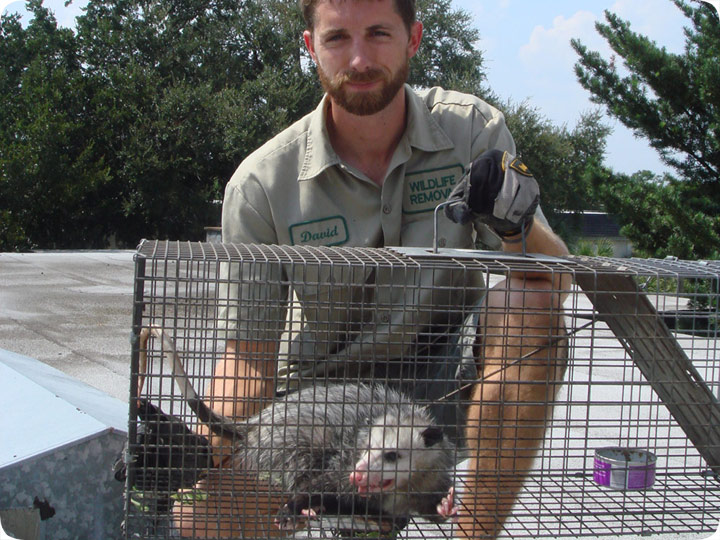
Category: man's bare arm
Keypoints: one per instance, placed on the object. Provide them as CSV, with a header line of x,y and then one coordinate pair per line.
x,y
541,239
521,365
243,382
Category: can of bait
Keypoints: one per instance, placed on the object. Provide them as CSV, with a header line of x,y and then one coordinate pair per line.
x,y
624,468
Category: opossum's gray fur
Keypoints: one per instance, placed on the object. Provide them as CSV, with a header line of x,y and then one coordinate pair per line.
x,y
309,442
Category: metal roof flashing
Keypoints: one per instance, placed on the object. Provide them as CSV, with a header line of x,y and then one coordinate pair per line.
x,y
47,409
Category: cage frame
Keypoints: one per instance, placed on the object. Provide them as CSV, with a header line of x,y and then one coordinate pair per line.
x,y
617,300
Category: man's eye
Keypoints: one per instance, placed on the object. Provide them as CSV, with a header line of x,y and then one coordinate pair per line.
x,y
381,33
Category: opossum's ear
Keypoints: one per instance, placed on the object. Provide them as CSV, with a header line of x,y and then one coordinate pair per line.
x,y
432,435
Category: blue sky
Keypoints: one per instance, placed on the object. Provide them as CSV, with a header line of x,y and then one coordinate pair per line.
x,y
528,55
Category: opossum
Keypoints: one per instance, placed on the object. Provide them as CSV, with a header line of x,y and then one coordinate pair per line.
x,y
340,449
349,449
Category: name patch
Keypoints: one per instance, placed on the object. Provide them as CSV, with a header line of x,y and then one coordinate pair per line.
x,y
424,190
330,231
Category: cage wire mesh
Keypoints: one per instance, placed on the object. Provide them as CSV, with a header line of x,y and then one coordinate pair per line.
x,y
601,421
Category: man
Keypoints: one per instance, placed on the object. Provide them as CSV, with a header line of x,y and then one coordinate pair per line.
x,y
355,173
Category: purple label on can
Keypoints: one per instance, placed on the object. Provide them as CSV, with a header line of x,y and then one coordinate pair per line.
x,y
601,473
640,477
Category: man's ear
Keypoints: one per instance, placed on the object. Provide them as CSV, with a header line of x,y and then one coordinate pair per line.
x,y
416,32
309,45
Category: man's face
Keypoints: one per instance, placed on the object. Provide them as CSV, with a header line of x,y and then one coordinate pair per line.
x,y
362,50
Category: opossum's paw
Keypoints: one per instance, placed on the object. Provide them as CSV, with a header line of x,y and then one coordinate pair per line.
x,y
286,520
294,513
447,508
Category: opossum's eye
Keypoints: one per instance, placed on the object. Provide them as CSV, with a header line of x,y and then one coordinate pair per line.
x,y
392,457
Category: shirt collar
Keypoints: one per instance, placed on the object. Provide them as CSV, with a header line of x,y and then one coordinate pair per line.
x,y
422,132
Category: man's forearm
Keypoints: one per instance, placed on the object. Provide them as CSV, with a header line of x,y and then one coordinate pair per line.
x,y
244,379
243,382
541,239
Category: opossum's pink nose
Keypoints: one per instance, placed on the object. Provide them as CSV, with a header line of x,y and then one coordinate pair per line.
x,y
359,479
364,483
360,476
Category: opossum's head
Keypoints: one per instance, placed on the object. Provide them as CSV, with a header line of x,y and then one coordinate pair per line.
x,y
398,448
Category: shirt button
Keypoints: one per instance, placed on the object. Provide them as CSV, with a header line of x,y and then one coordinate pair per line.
x,y
387,208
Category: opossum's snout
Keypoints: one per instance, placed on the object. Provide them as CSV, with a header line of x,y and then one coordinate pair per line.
x,y
367,481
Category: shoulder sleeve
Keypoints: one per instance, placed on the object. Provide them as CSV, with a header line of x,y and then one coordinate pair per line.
x,y
491,132
246,212
251,296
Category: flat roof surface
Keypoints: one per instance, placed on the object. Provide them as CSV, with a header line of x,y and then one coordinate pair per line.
x,y
71,310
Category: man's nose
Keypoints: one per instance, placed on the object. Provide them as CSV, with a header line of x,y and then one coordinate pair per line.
x,y
360,59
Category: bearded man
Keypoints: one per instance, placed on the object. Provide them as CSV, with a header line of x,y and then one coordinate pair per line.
x,y
361,170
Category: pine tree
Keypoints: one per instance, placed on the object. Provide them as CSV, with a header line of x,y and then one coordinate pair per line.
x,y
673,101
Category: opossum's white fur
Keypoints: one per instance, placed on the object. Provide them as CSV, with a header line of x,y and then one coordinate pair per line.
x,y
350,448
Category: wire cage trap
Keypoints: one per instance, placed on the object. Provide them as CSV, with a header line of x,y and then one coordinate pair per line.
x,y
390,396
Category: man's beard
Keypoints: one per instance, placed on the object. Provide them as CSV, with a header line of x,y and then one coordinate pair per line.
x,y
364,103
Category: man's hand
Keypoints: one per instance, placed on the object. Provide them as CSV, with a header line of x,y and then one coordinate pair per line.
x,y
497,190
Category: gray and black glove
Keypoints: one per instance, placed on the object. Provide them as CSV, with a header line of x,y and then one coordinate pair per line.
x,y
497,190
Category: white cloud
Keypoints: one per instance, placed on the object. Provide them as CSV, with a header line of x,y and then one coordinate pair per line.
x,y
659,20
548,49
545,66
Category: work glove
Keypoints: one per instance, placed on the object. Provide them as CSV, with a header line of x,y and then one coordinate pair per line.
x,y
167,456
497,190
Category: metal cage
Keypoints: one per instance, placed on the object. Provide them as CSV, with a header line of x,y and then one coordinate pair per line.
x,y
630,418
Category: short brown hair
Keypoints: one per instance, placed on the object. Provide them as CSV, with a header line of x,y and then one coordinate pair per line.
x,y
405,8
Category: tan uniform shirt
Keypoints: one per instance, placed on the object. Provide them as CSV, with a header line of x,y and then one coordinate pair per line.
x,y
295,190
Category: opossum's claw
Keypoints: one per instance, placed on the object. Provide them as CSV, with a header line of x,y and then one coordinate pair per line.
x,y
286,522
447,508
288,519
290,522
296,511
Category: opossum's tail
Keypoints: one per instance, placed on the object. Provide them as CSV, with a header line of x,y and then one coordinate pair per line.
x,y
217,423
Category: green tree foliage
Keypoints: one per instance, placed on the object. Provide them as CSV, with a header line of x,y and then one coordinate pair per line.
x,y
447,56
672,100
663,217
559,158
185,90
129,125
53,183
